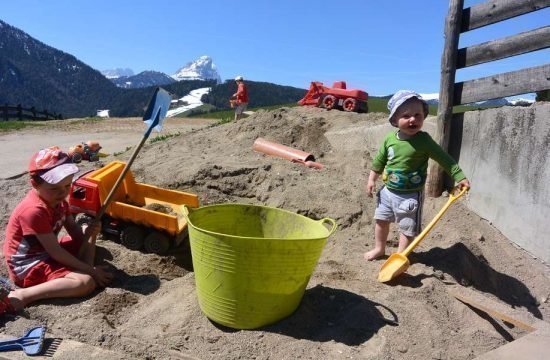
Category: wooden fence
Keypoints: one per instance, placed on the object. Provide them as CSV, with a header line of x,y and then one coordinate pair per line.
x,y
20,113
460,20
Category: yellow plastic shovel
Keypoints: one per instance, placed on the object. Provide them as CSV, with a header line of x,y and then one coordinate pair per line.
x,y
398,263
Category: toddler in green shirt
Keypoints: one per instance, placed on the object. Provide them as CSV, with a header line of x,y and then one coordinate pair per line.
x,y
402,160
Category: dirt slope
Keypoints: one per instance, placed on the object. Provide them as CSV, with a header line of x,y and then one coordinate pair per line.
x,y
151,310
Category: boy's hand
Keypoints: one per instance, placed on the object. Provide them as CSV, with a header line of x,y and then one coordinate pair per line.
x,y
102,276
93,229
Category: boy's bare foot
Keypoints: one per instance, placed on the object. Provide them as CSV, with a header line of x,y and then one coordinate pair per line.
x,y
373,254
15,301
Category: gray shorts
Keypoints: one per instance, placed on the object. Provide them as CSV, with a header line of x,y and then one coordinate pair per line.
x,y
404,209
240,108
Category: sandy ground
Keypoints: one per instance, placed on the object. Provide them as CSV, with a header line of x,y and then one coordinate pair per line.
x,y
151,310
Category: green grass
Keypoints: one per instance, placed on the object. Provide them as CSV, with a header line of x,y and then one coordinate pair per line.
x,y
163,137
17,125
117,153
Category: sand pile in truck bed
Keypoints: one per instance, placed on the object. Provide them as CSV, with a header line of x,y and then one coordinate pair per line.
x,y
151,310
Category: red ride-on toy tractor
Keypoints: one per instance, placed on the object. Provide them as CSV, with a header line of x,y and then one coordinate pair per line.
x,y
85,151
336,97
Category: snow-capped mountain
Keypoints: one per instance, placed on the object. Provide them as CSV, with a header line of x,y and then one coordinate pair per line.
x,y
116,73
431,98
143,79
526,100
201,69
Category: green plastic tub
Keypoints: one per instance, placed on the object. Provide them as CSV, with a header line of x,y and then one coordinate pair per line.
x,y
252,263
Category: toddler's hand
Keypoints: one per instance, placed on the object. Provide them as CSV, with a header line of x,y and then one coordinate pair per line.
x,y
371,186
464,183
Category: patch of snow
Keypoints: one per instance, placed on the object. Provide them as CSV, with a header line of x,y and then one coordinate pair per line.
x,y
193,100
430,96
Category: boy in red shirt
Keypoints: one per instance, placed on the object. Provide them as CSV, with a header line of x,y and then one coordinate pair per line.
x,y
39,263
241,97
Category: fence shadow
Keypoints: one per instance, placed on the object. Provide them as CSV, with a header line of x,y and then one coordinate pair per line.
x,y
327,314
474,270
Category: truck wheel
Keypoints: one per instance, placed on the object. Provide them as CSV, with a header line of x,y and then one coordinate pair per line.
x,y
350,104
76,158
132,237
157,243
329,102
94,157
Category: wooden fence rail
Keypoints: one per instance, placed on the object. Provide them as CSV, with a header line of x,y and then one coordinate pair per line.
x,y
460,20
20,113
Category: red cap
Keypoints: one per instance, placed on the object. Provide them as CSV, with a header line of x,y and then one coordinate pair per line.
x,y
52,165
47,159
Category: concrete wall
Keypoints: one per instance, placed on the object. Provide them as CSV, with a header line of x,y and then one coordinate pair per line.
x,y
504,152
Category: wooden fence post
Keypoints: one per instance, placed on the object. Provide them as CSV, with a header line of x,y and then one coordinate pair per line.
x,y
434,183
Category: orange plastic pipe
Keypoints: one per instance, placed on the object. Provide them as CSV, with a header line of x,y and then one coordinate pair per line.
x,y
285,152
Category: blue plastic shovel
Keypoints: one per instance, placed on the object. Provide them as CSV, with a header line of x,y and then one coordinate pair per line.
x,y
31,342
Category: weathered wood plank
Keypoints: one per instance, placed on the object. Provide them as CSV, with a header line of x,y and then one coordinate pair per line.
x,y
499,49
501,85
494,11
434,186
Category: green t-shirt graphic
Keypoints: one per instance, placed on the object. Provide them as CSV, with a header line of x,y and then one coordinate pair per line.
x,y
404,163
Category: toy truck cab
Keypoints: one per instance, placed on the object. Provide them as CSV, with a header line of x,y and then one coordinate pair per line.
x,y
140,215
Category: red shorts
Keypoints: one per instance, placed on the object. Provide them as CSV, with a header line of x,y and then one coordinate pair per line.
x,y
50,269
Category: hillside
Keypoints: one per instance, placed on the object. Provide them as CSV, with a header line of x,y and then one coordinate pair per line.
x,y
260,93
35,74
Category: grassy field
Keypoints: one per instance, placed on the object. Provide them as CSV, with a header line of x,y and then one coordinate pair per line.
x,y
16,125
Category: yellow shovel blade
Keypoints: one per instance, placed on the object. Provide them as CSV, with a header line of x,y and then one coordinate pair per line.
x,y
393,267
102,154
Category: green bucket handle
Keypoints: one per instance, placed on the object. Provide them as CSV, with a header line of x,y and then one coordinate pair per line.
x,y
330,221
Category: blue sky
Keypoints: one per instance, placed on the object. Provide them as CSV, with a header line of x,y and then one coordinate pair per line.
x,y
377,46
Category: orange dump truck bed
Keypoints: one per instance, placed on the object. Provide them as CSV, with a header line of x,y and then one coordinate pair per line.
x,y
131,197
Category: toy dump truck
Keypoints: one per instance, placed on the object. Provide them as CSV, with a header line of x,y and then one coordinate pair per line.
x,y
336,97
88,150
140,215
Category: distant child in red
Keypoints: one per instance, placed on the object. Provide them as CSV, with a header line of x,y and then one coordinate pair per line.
x,y
39,263
241,97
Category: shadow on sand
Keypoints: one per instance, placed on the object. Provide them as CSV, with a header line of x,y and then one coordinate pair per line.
x,y
469,269
327,314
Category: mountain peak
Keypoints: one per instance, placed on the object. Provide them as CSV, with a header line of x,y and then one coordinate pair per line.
x,y
201,69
